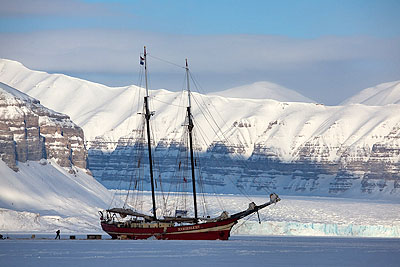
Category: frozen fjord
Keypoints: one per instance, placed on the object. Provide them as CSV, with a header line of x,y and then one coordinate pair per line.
x,y
239,251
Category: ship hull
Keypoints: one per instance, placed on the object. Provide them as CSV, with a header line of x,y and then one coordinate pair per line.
x,y
201,231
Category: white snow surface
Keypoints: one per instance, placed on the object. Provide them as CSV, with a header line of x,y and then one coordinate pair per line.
x,y
264,90
11,94
18,103
42,196
379,95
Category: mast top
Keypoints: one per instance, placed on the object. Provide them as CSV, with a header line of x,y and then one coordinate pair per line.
x,y
187,84
145,69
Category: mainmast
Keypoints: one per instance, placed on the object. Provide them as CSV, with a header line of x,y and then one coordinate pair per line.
x,y
190,128
147,115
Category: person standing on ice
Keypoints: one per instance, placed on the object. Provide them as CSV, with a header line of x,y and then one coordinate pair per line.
x,y
58,234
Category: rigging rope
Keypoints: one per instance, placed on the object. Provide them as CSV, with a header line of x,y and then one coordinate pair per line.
x,y
154,98
238,157
241,190
178,183
244,221
166,61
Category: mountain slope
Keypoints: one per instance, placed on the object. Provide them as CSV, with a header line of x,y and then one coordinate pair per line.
x,y
264,90
83,101
42,196
380,95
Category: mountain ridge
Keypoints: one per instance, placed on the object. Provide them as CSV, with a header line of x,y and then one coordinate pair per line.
x,y
379,95
294,147
264,90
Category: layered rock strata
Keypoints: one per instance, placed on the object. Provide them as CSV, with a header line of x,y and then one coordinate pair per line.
x,y
29,131
315,167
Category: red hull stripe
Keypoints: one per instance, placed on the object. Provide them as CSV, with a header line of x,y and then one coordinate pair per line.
x,y
203,231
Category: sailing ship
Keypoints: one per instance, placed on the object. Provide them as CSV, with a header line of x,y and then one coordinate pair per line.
x,y
137,225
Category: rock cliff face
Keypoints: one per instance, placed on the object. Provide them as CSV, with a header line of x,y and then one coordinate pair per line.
x,y
354,171
332,160
29,131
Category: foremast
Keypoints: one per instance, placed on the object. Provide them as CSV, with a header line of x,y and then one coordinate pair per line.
x,y
190,128
147,116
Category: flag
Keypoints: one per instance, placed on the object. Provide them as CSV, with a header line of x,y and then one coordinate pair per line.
x,y
141,60
184,179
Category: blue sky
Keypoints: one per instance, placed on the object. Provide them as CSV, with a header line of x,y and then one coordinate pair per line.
x,y
302,19
326,50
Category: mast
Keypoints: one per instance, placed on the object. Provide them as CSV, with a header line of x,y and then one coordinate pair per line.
x,y
190,127
147,115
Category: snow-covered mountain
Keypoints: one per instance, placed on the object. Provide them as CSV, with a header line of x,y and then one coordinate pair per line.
x,y
380,95
43,180
94,107
296,148
264,90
